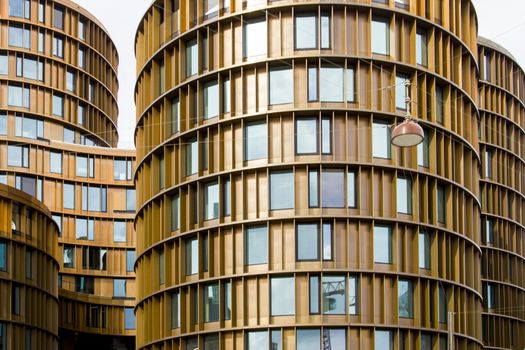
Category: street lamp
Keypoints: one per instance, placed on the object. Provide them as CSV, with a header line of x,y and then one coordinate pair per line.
x,y
409,133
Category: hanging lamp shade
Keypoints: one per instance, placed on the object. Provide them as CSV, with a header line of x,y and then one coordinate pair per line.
x,y
407,134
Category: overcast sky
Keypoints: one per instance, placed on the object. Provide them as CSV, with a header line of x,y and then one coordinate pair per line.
x,y
501,21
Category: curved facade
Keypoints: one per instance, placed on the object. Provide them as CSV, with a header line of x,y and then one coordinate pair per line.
x,y
272,210
28,273
502,110
58,115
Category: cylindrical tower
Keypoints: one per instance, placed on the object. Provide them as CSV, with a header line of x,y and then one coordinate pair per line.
x,y
28,271
58,115
502,136
272,210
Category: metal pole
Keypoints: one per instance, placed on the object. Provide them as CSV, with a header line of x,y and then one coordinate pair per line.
x,y
407,98
450,331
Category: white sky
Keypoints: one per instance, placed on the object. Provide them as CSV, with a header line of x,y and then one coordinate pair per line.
x,y
502,21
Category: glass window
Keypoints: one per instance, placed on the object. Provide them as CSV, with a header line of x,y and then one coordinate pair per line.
x,y
55,162
130,260
306,135
20,8
441,203
327,241
69,256
69,135
58,46
331,84
335,337
488,164
281,86
58,106
334,295
426,342
254,38
424,250
308,339
192,157
119,231
85,229
81,57
29,127
69,196
313,188
383,340
421,47
192,58
282,190
442,305
314,294
211,99
353,295
3,179
312,83
490,296
486,66
256,340
58,17
422,152
489,231
41,11
326,135
226,96
122,169
332,183
85,284
70,80
401,92
211,201
3,256
380,36
227,300
175,115
211,303
18,96
18,156
131,199
282,296
19,37
58,220
192,256
381,140
162,174
85,166
3,123
175,213
307,241
255,140
129,318
41,41
29,185
15,300
81,30
325,32
211,342
351,191
382,244
227,198
175,309
3,64
405,299
305,32
119,288
162,76
404,195
256,245
28,68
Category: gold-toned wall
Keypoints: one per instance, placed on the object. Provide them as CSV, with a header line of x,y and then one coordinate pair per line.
x,y
28,273
164,149
502,147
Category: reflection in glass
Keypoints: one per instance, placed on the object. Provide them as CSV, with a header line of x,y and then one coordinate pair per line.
x,y
308,339
255,141
282,296
333,182
382,244
331,84
334,295
256,245
281,85
307,242
306,135
211,201
257,340
281,190
305,32
381,140
211,303
404,298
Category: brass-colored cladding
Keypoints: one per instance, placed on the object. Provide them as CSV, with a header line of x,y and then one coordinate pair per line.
x,y
28,275
160,46
502,140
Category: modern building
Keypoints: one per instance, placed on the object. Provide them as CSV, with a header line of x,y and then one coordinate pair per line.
x,y
272,210
28,273
58,130
502,149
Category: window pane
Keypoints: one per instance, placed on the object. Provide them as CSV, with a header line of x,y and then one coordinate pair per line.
x,y
255,141
192,256
421,47
69,196
382,340
282,190
211,303
211,201
254,39
276,340
69,256
175,115
313,188
211,100
281,85
312,83
424,250
350,85
351,189
55,160
326,136
211,342
404,195
331,84
334,295
333,181
401,93
335,337
282,296
440,104
308,339
175,310
382,244
327,241
305,32
70,81
227,198
442,305
58,18
130,260
314,294
129,318
440,204
226,95
380,36
192,157
227,301
426,342
130,200
307,242
405,298
192,58
3,124
175,213
58,106
422,152
325,32
256,245
257,340
381,140
306,130
119,231
353,295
